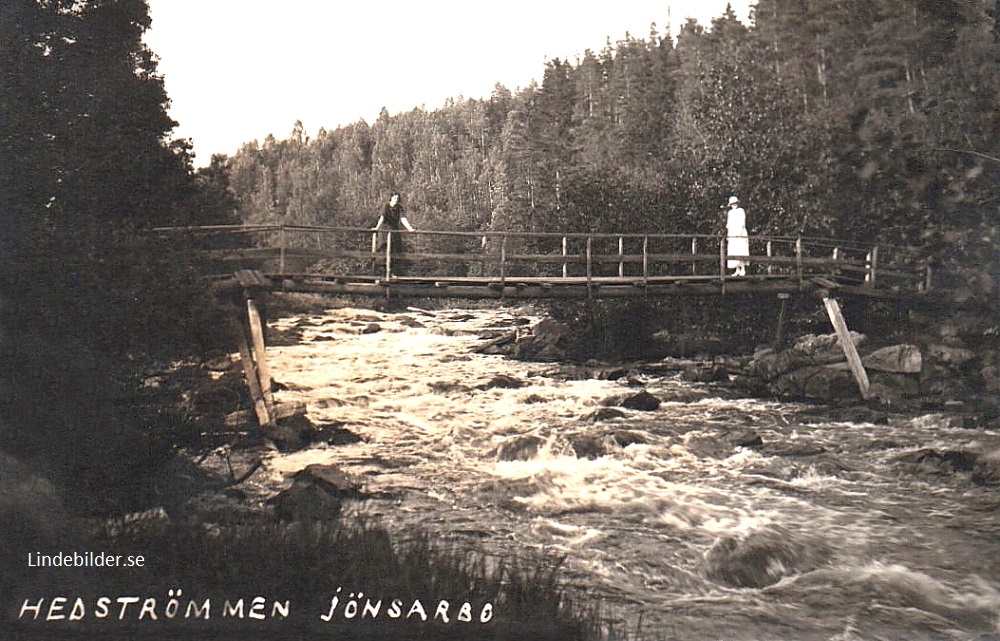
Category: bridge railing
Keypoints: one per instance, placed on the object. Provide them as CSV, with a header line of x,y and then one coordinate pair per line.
x,y
592,258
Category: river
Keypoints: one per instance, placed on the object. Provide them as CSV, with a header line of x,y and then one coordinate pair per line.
x,y
825,530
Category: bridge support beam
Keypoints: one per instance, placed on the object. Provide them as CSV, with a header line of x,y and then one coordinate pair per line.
x,y
844,337
249,332
779,336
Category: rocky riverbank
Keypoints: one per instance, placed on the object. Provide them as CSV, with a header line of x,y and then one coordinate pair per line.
x,y
941,363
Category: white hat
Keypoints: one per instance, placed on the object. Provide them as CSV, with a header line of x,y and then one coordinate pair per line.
x,y
733,200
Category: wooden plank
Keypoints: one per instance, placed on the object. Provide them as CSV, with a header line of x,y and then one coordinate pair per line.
x,y
844,336
249,278
259,352
824,282
253,379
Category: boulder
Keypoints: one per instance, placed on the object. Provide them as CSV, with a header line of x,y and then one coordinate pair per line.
x,y
541,344
335,435
642,401
707,373
793,449
817,382
589,446
895,390
520,448
317,493
903,359
991,378
604,414
933,462
771,365
724,443
986,470
549,354
502,381
549,330
953,357
818,345
624,438
708,446
742,437
592,446
762,557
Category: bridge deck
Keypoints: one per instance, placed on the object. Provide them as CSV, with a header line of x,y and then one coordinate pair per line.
x,y
545,265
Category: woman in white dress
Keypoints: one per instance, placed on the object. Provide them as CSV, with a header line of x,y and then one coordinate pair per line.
x,y
737,243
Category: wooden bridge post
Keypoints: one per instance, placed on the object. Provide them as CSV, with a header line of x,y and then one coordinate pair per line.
x,y
259,355
589,268
564,271
262,409
722,259
621,252
694,252
770,254
779,336
871,264
798,259
503,263
844,337
281,250
388,255
645,260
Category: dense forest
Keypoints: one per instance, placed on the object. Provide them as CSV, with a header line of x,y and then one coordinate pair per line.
x,y
852,118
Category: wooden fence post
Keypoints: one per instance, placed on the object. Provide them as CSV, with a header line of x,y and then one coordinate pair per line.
x,y
388,255
564,271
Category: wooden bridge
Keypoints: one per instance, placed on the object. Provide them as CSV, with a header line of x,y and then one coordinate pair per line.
x,y
516,265
341,260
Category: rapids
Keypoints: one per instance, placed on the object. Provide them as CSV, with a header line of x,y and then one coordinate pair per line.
x,y
825,531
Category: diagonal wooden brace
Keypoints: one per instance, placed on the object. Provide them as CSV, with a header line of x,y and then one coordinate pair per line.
x,y
844,337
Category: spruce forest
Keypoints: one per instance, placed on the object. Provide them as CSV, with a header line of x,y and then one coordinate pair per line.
x,y
847,118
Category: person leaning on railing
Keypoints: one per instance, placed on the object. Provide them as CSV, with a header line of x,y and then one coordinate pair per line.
x,y
393,218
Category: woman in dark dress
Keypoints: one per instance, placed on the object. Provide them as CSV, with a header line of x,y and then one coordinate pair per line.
x,y
393,219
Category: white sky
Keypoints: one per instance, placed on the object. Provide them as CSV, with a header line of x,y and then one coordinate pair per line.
x,y
237,70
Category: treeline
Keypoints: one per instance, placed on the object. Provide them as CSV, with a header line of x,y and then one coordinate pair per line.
x,y
854,118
